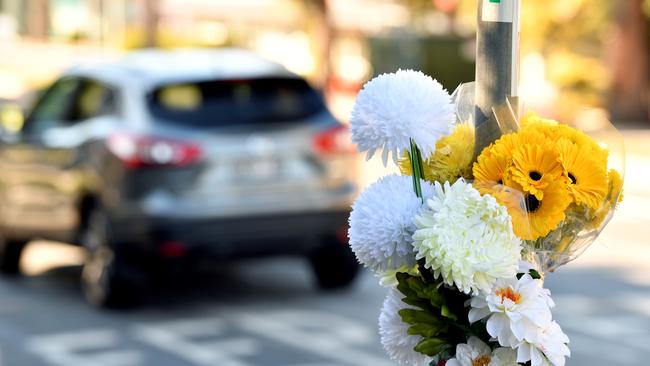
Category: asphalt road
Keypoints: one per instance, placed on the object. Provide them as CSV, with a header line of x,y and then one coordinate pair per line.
x,y
269,313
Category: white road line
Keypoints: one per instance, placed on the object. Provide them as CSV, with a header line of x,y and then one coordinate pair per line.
x,y
83,348
324,334
638,303
175,337
609,352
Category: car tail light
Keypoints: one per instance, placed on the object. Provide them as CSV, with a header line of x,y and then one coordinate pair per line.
x,y
137,151
336,140
173,249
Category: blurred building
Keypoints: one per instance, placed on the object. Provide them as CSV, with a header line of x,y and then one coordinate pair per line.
x,y
336,43
574,53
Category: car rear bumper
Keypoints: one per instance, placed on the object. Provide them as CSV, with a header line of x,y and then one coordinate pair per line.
x,y
295,233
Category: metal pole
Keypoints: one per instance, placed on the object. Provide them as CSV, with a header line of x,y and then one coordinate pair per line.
x,y
497,64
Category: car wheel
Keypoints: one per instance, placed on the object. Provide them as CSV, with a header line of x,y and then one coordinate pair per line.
x,y
10,253
103,278
334,266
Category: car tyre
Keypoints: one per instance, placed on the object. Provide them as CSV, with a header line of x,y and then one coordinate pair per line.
x,y
334,266
10,253
104,278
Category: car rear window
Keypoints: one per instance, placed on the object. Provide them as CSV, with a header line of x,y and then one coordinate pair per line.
x,y
235,102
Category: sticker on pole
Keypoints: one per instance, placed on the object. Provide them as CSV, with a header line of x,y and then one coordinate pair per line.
x,y
499,11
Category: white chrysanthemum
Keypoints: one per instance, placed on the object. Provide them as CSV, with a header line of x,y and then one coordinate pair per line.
x,y
550,349
467,238
381,223
393,108
475,352
399,345
518,311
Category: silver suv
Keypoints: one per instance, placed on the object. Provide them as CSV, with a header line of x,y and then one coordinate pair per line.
x,y
163,158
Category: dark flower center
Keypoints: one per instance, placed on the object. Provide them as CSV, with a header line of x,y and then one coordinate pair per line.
x,y
535,175
573,179
532,203
500,181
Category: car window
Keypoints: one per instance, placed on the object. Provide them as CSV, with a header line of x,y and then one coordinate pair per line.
x,y
93,100
222,103
54,107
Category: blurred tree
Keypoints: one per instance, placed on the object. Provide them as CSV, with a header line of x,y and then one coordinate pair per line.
x,y
151,17
596,53
570,35
628,98
37,15
323,31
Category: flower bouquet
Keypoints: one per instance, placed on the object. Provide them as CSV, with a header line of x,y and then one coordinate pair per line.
x,y
461,239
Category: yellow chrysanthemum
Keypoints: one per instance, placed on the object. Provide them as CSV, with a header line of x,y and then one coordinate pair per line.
x,y
534,167
587,175
451,160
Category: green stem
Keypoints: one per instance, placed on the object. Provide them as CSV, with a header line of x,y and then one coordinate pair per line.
x,y
418,174
416,166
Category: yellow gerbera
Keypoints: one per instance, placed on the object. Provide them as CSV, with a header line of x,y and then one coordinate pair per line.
x,y
514,201
615,185
493,161
451,160
587,176
555,131
504,145
534,167
534,120
490,168
537,217
614,196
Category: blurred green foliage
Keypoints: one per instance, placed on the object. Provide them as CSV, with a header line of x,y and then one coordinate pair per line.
x,y
571,35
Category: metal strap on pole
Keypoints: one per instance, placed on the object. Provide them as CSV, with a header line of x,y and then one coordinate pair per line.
x,y
497,64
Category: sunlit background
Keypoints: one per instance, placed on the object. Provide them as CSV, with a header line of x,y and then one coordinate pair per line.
x,y
574,54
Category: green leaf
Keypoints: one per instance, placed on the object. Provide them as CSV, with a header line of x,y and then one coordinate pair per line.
x,y
436,299
446,312
479,329
413,316
534,274
431,346
416,284
417,302
403,284
427,330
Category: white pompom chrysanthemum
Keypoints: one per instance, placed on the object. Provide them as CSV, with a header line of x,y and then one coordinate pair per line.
x,y
399,345
381,223
394,108
467,238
